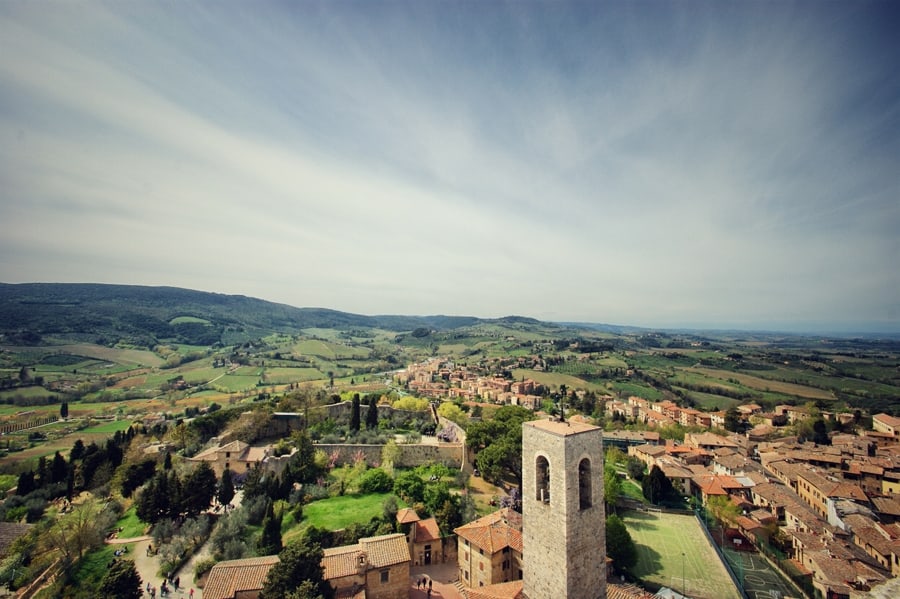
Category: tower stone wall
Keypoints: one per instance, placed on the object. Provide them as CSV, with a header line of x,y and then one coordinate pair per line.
x,y
564,521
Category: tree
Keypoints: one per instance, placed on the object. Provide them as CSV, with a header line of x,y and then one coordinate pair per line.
x,y
619,544
354,413
723,510
372,413
199,489
59,469
820,433
635,467
389,455
453,413
225,492
375,480
733,421
78,450
409,487
64,410
299,563
498,443
656,487
121,581
79,531
167,461
612,486
270,540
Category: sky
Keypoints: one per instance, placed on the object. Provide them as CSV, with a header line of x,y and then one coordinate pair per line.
x,y
660,164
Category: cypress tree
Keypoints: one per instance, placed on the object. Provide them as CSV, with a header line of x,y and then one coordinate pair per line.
x,y
372,413
354,413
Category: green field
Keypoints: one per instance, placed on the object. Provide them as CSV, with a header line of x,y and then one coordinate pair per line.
x,y
555,379
109,427
336,513
674,552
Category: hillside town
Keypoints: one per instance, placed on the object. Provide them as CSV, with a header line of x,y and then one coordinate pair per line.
x,y
831,508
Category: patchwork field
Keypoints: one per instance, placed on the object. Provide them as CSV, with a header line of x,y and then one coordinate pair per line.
x,y
762,384
674,552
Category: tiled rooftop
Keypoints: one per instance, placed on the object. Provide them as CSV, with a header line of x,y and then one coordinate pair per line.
x,y
233,576
495,531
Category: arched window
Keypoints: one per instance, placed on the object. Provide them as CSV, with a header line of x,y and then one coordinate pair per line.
x,y
542,479
584,483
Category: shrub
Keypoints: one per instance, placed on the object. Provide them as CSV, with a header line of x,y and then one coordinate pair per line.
x,y
203,566
255,510
375,480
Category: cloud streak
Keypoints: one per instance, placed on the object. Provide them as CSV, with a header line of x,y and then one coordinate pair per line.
x,y
654,164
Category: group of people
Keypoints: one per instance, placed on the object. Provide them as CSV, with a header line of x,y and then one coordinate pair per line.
x,y
165,589
424,583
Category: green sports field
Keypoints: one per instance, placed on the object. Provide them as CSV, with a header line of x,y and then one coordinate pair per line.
x,y
673,552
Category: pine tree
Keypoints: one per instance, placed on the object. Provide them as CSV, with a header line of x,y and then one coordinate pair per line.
x,y
270,541
167,462
121,581
64,410
59,469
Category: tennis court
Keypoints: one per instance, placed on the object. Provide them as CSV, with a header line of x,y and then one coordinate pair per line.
x,y
673,551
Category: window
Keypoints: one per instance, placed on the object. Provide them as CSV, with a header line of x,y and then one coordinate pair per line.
x,y
226,465
466,572
584,484
542,479
384,575
481,566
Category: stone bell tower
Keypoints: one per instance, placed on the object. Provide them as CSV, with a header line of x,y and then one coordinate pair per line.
x,y
564,520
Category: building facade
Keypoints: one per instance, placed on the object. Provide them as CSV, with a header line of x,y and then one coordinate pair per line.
x,y
564,519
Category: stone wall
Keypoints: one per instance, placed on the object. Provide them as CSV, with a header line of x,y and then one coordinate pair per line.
x,y
449,454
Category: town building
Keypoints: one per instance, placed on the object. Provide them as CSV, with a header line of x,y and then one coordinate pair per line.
x,y
564,520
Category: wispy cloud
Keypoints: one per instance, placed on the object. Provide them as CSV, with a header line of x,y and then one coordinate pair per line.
x,y
659,164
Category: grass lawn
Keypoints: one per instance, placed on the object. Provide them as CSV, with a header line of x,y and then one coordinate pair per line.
x,y
130,524
336,513
92,568
672,548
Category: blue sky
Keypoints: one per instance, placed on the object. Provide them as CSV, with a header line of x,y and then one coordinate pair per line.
x,y
715,164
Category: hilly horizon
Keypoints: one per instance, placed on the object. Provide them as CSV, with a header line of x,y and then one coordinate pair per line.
x,y
31,312
145,315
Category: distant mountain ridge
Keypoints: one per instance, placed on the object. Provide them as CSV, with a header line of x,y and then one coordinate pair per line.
x,y
31,313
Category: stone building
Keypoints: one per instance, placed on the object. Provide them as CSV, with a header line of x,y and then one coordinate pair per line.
x,y
489,549
564,532
377,567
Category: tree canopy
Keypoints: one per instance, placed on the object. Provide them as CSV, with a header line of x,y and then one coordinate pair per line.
x,y
619,544
498,443
299,563
121,581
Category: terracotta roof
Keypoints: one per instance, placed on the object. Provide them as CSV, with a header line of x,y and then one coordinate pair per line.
x,y
626,591
211,454
503,590
386,550
407,515
228,578
887,505
495,531
427,530
379,552
887,419
563,429
338,562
